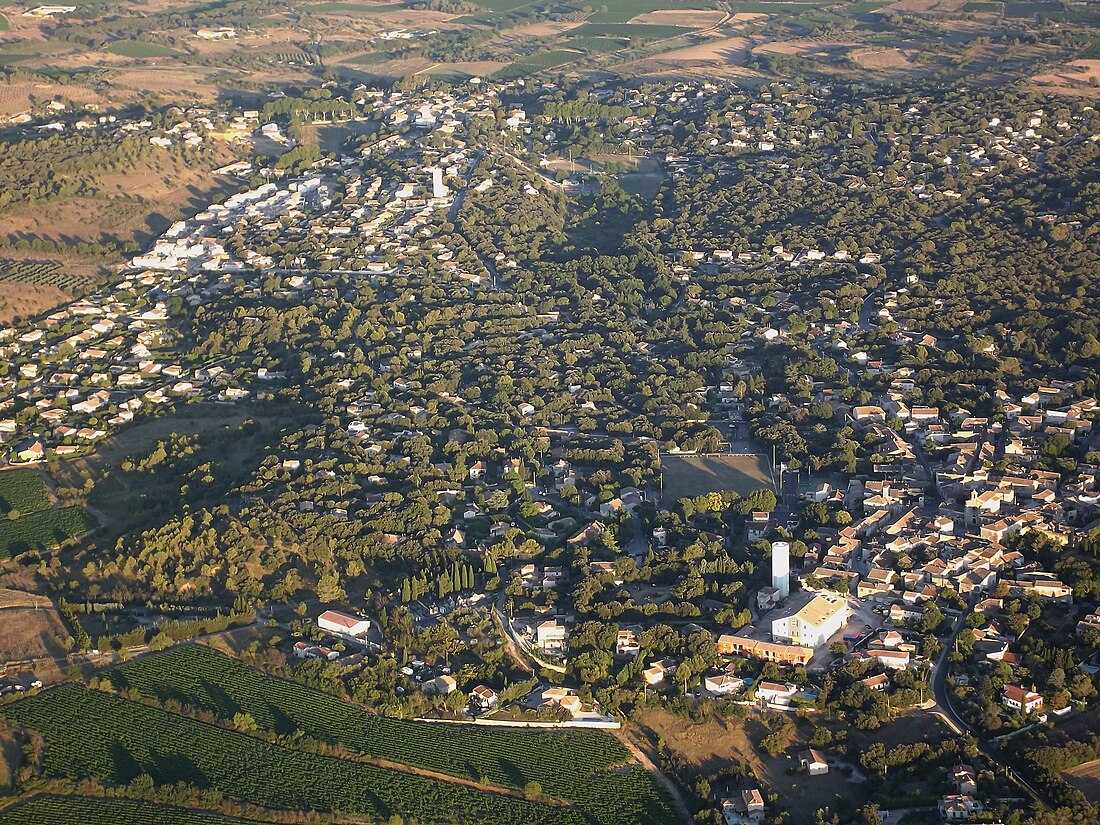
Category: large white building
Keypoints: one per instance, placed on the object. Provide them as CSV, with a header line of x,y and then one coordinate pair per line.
x,y
812,625
335,622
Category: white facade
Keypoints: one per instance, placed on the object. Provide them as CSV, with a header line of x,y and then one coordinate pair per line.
x,y
335,622
781,568
814,624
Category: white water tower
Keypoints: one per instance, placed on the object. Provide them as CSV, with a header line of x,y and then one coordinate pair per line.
x,y
781,568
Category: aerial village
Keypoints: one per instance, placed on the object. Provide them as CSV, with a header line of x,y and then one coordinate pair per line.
x,y
914,581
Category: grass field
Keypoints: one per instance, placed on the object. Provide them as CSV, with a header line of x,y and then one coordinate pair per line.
x,y
139,48
4,23
66,810
580,766
91,734
43,530
23,491
688,475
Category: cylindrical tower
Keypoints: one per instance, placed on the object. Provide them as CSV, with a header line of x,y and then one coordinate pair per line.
x,y
781,568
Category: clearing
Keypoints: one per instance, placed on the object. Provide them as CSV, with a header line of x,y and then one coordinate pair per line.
x,y
693,18
31,633
694,475
1078,77
1086,778
714,746
890,58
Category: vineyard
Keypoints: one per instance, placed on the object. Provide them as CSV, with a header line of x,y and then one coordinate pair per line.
x,y
43,530
92,734
572,765
40,273
23,491
66,810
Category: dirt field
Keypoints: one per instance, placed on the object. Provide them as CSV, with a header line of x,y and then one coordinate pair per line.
x,y
16,97
799,47
695,475
478,68
1073,77
712,58
18,598
716,745
167,188
30,633
692,18
24,300
547,28
882,58
1086,778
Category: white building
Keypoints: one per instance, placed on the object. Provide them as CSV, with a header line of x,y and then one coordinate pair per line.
x,y
550,637
335,622
812,626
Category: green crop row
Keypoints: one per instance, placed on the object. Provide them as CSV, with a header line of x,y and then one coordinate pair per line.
x,y
67,810
23,491
568,764
92,734
43,530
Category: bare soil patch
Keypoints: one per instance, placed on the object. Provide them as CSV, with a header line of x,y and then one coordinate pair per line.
x,y
724,51
799,47
1086,778
883,58
475,68
1072,77
10,598
547,28
31,634
25,300
692,18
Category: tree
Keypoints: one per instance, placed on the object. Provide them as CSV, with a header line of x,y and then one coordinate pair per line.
x,y
532,790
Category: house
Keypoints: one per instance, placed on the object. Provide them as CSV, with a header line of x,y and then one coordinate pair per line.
x,y
657,671
477,470
627,643
813,762
959,808
336,622
774,693
876,683
440,686
724,684
753,801
550,637
484,698
965,779
1016,698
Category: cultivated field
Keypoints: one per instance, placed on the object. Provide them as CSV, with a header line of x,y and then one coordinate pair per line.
x,y
581,766
689,476
66,810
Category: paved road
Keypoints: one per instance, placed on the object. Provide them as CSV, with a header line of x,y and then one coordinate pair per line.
x,y
945,711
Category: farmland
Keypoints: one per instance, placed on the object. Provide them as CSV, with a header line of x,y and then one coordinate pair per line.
x,y
140,48
23,491
43,530
41,273
689,475
65,810
90,734
568,765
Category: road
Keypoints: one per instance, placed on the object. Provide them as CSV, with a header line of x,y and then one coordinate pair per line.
x,y
945,711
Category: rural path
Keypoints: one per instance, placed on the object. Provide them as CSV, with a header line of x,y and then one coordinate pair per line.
x,y
661,778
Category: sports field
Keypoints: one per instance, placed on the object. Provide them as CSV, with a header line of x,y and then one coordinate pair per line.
x,y
693,475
